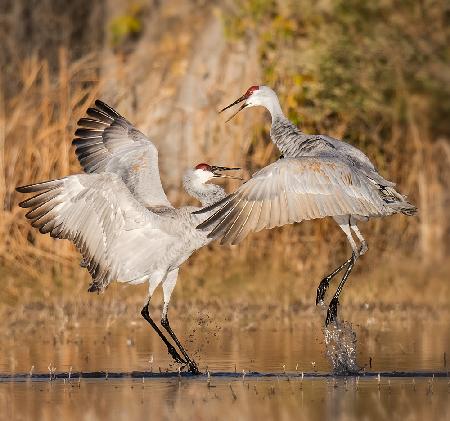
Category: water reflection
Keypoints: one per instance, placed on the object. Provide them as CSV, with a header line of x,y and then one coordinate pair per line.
x,y
270,345
249,399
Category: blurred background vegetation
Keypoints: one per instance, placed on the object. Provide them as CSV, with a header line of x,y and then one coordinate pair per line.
x,y
372,73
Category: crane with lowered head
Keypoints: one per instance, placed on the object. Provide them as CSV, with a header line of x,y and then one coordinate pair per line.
x,y
118,215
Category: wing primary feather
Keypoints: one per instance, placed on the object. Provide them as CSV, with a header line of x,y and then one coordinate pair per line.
x,y
45,185
100,115
106,108
40,198
223,211
223,223
92,123
232,227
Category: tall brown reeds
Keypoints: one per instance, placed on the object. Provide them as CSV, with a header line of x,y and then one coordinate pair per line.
x,y
39,118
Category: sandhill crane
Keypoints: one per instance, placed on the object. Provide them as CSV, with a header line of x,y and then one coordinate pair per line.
x,y
118,215
317,176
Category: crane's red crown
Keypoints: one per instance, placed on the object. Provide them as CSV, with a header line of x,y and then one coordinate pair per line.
x,y
203,166
251,90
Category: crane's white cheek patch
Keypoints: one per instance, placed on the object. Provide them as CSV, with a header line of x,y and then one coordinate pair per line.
x,y
203,176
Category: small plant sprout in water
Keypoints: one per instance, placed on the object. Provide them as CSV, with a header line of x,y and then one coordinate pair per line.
x,y
70,372
31,371
243,375
379,380
51,371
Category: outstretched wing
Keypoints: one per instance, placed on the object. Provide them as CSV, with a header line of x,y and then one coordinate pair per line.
x,y
291,190
100,216
107,142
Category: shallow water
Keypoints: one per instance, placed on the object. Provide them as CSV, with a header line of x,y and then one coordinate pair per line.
x,y
249,399
380,344
261,346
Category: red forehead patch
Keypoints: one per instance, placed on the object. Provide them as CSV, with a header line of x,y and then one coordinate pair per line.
x,y
203,166
251,90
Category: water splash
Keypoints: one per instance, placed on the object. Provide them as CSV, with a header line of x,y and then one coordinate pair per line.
x,y
340,343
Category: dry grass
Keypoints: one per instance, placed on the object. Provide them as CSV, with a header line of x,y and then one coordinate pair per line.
x,y
37,124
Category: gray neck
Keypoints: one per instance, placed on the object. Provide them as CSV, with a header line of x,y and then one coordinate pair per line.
x,y
283,133
286,135
206,193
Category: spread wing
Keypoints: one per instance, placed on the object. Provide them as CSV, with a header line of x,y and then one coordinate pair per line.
x,y
291,190
107,142
100,216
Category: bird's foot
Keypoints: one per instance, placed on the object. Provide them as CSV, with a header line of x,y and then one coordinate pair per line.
x,y
192,367
332,311
321,290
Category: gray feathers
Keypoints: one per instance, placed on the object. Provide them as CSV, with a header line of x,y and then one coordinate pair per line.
x,y
117,214
292,190
107,142
318,176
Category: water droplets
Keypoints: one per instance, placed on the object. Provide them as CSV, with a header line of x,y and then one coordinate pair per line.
x,y
340,347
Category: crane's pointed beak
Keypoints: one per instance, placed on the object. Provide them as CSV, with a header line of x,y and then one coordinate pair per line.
x,y
239,109
242,98
217,172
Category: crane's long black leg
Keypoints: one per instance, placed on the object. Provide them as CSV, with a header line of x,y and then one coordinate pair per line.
x,y
193,368
325,282
332,308
170,348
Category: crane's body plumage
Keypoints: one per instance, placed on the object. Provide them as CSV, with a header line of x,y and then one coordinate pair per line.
x,y
118,215
317,176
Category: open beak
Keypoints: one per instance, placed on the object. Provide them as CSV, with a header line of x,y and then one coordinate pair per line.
x,y
242,98
217,172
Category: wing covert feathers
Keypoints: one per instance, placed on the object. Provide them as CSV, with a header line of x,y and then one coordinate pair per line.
x,y
92,211
296,189
107,142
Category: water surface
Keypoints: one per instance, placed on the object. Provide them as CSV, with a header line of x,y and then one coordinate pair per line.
x,y
383,343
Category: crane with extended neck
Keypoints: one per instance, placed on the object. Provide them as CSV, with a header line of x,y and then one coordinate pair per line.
x,y
317,176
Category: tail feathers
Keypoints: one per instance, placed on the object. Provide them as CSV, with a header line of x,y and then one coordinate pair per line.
x,y
406,208
397,201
